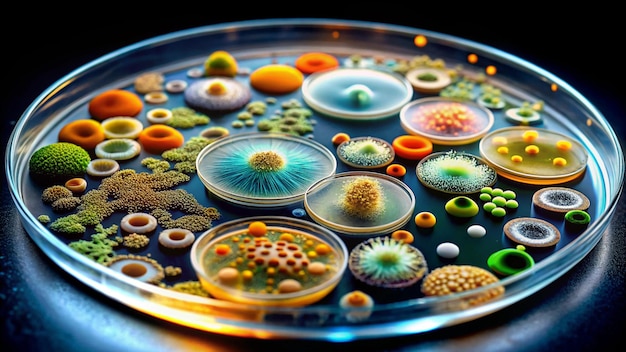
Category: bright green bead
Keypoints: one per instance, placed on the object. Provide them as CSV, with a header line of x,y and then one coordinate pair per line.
x,y
498,212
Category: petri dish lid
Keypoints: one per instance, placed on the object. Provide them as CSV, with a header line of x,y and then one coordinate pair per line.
x,y
332,202
552,158
357,93
465,121
263,169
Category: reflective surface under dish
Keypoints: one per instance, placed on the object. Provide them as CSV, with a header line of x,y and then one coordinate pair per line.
x,y
360,203
261,169
534,155
446,121
180,56
357,93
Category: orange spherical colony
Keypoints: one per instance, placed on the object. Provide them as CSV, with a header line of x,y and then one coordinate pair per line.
x,y
276,79
115,102
86,133
156,139
315,61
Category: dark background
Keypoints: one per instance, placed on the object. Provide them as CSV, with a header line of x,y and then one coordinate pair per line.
x,y
584,310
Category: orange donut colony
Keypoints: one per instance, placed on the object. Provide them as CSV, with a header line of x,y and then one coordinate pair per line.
x,y
86,133
276,79
115,102
156,139
315,61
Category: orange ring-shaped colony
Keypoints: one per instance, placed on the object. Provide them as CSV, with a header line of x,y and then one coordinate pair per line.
x,y
115,102
86,133
412,147
315,61
156,139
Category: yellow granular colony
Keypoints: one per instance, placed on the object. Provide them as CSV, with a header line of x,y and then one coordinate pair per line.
x,y
266,161
503,150
363,198
450,279
135,241
517,158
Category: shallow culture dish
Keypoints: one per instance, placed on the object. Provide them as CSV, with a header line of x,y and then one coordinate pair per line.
x,y
184,199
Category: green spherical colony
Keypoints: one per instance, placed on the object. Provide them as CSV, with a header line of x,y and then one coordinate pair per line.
x,y
58,161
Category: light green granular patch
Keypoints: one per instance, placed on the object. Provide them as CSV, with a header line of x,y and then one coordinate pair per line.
x,y
184,118
100,248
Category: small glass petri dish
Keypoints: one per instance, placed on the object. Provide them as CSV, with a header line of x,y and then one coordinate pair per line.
x,y
366,152
269,261
534,155
446,121
360,203
356,92
263,169
455,172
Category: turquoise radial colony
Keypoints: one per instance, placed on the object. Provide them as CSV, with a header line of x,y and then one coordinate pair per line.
x,y
263,169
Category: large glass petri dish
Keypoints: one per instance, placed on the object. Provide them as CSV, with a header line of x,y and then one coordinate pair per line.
x,y
256,43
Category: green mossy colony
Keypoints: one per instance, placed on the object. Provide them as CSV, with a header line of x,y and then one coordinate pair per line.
x,y
386,262
59,161
455,173
510,261
131,192
462,207
366,152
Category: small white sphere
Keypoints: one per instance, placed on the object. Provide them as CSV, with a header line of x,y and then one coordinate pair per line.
x,y
448,250
476,231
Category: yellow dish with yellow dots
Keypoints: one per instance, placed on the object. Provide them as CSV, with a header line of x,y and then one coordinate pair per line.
x,y
534,155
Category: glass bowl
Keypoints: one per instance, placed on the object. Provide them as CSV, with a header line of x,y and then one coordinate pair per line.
x,y
180,57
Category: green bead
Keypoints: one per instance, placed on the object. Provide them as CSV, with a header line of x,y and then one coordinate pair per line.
x,y
497,192
508,194
485,197
498,212
512,204
486,190
499,201
489,206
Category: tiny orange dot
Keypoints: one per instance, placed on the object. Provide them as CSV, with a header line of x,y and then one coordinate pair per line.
x,y
340,138
491,70
472,58
532,149
554,87
420,41
559,161
517,158
396,170
335,35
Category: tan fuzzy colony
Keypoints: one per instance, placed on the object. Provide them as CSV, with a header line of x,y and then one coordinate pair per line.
x,y
451,279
